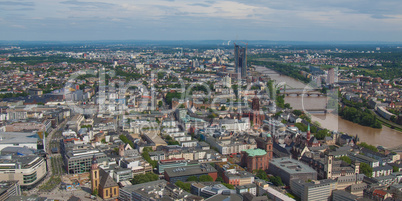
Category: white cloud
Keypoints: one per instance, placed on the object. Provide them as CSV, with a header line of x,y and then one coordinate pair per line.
x,y
220,17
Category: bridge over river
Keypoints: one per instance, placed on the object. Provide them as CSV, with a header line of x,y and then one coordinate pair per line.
x,y
302,91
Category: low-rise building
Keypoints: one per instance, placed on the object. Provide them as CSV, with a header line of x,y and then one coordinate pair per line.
x,y
341,195
365,159
248,188
171,163
289,169
182,173
9,188
154,190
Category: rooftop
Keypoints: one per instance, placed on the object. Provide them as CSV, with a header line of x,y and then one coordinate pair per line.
x,y
255,152
190,170
291,166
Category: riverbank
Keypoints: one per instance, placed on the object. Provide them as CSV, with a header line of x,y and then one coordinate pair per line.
x,y
385,137
388,123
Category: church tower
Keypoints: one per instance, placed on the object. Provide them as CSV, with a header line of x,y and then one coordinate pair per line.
x,y
255,106
121,149
94,175
308,133
329,161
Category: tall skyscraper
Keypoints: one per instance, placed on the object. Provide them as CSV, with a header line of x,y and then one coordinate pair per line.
x,y
331,76
240,54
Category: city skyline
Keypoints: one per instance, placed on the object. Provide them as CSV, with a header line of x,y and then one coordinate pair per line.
x,y
288,20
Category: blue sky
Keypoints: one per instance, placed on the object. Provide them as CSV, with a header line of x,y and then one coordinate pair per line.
x,y
295,20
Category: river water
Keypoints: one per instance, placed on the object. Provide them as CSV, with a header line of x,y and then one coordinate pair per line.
x,y
385,137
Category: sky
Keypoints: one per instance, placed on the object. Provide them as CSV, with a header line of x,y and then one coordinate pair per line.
x,y
277,20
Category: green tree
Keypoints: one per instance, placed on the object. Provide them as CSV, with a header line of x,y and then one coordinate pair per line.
x,y
366,169
184,186
262,175
346,159
170,96
126,140
192,178
143,178
367,146
297,112
160,103
145,83
219,179
276,180
206,178
301,127
395,169
95,192
229,186
321,134
145,155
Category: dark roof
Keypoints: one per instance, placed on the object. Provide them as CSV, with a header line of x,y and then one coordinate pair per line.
x,y
106,181
73,198
250,197
385,167
365,150
190,170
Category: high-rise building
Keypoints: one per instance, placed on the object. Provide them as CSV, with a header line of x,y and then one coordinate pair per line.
x,y
240,57
331,76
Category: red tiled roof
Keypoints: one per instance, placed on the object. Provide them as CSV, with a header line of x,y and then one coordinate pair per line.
x,y
379,192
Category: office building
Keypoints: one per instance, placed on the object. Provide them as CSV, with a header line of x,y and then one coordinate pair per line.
x,y
314,190
27,170
78,158
289,169
240,57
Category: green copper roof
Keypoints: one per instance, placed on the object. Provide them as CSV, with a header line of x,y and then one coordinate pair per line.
x,y
255,152
269,135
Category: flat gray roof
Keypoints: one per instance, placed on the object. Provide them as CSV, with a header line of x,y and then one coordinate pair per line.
x,y
190,170
291,166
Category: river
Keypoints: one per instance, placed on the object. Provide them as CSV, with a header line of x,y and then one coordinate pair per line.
x,y
385,137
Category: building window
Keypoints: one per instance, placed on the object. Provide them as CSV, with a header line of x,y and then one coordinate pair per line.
x,y
29,178
115,191
95,174
107,193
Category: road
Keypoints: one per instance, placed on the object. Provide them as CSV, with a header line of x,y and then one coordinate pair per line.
x,y
52,140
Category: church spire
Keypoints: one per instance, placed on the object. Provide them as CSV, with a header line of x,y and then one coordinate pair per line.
x,y
94,163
